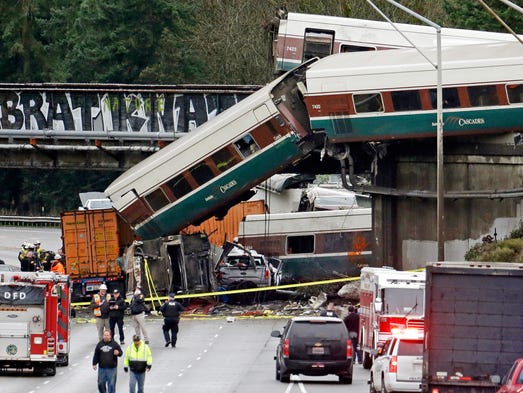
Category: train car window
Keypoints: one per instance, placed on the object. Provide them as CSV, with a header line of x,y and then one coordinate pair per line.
x,y
483,95
368,102
179,186
157,199
267,133
407,100
246,145
515,93
300,244
317,43
201,173
138,212
355,48
225,159
450,98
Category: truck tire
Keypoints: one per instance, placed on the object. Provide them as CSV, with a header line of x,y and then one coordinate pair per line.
x,y
277,370
285,377
367,361
383,388
45,370
51,370
63,361
372,388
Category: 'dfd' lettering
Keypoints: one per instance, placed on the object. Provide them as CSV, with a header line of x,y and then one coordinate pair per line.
x,y
14,295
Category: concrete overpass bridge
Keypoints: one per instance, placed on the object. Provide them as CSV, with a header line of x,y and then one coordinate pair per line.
x,y
113,127
101,126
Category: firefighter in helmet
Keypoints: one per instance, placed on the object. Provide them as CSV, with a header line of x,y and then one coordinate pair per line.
x,y
56,265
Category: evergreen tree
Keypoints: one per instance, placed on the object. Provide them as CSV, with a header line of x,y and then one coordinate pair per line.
x,y
22,55
472,15
114,42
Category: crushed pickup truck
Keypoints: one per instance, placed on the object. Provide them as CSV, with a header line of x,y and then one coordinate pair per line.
x,y
240,268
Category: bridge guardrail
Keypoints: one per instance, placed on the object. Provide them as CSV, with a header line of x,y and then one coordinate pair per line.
x,y
33,221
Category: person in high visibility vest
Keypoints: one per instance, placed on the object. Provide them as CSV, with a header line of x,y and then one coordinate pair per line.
x,y
40,255
138,359
100,307
57,266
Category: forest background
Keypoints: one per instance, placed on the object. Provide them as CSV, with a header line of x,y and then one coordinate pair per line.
x,y
165,42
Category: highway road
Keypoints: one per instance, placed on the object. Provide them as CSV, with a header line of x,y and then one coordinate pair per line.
x,y
11,239
212,355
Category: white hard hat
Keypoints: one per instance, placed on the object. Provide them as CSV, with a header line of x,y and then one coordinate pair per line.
x,y
103,286
57,256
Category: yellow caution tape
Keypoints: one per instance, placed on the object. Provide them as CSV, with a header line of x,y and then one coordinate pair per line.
x,y
249,290
150,283
245,290
261,289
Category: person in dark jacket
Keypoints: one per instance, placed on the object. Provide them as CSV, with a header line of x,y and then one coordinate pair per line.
x,y
352,322
105,358
138,314
117,307
171,310
329,311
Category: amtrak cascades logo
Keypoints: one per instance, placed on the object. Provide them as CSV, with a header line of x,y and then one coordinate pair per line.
x,y
228,186
466,122
11,349
462,122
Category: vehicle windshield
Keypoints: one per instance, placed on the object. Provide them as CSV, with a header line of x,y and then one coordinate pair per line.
x,y
403,301
234,261
410,348
331,331
244,260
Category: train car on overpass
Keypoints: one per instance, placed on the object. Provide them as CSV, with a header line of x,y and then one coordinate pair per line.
x,y
392,94
298,37
371,96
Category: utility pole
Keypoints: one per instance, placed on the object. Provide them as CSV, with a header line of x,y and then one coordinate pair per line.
x,y
440,183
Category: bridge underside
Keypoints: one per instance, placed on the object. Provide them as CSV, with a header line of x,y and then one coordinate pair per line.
x,y
90,155
483,186
483,182
114,127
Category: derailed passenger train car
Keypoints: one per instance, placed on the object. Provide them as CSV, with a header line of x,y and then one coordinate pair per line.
x,y
214,167
298,37
392,94
337,100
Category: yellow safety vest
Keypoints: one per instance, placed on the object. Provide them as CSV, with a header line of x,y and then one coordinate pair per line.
x,y
97,312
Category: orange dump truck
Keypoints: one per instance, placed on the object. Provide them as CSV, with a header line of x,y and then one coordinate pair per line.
x,y
94,244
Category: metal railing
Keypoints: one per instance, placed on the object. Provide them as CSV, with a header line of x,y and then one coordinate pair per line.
x,y
29,221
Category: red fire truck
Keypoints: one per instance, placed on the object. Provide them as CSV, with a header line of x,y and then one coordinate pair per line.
x,y
390,300
34,321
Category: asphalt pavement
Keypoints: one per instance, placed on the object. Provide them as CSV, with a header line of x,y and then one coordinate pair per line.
x,y
11,239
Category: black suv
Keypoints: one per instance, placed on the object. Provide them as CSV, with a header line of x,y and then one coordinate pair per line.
x,y
314,346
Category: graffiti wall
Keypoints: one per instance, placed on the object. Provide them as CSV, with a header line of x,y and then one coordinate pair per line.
x,y
98,110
